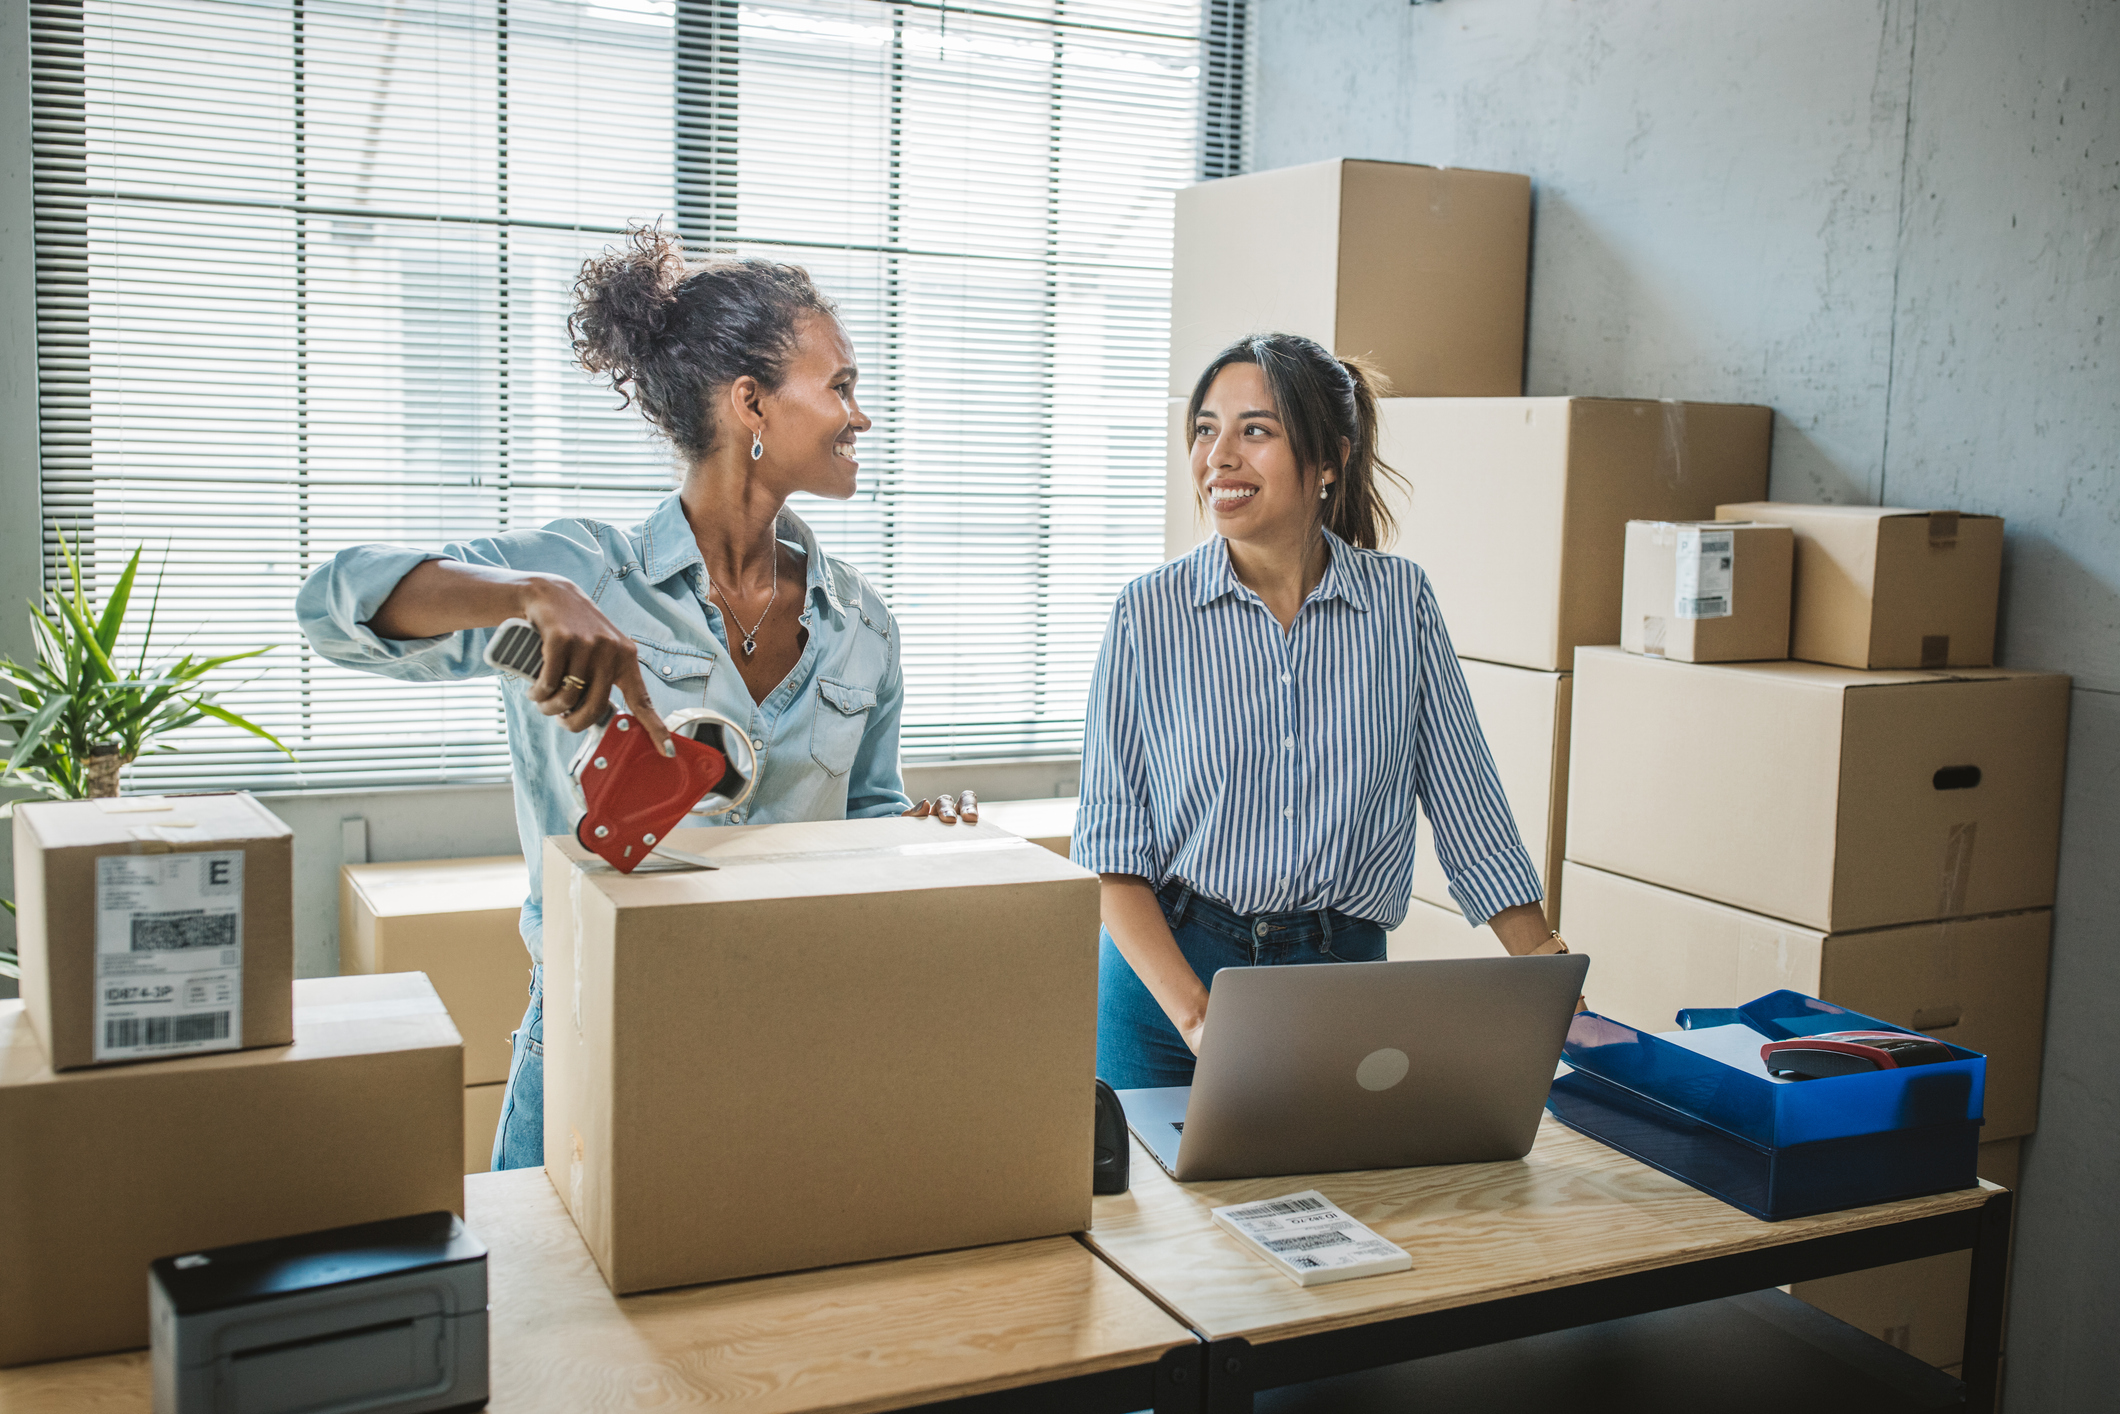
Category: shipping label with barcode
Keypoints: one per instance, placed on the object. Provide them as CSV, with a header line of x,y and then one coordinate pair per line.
x,y
169,954
1311,1240
1707,570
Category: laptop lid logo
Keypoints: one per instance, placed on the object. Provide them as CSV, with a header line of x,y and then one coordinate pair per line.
x,y
1380,1070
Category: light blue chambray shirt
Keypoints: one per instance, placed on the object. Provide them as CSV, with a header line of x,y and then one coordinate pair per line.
x,y
827,737
1275,771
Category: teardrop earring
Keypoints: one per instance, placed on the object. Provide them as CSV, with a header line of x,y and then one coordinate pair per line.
x,y
758,446
1323,492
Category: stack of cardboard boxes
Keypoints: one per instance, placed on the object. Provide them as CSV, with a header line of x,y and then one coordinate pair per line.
x,y
1873,821
1515,506
165,1083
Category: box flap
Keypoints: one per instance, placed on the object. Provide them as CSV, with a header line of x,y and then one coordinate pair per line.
x,y
428,886
177,820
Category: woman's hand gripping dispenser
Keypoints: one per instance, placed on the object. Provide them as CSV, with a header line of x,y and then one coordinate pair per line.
x,y
632,795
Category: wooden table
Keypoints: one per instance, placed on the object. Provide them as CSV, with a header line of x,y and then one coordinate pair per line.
x,y
1022,1326
1573,1234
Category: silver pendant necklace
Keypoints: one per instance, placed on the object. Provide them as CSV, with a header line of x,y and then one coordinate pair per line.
x,y
750,640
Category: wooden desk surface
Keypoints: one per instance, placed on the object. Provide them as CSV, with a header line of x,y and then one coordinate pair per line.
x,y
882,1335
1571,1211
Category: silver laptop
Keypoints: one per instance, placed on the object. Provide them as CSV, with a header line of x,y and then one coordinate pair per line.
x,y
1365,1065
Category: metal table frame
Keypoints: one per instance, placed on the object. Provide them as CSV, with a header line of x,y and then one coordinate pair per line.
x,y
1220,1377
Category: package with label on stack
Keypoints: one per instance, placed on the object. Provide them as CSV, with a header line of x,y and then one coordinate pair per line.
x,y
1874,822
165,1083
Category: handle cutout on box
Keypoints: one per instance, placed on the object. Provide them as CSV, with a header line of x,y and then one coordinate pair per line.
x,y
1957,778
1938,1018
1943,530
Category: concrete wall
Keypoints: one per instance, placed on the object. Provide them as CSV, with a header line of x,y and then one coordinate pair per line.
x,y
1899,224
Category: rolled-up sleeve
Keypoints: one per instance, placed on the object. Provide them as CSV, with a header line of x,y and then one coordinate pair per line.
x,y
876,782
1113,833
1476,838
338,600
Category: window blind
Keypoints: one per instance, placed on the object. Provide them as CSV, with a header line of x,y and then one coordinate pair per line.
x,y
304,268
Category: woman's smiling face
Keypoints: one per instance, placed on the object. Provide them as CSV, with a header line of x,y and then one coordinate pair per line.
x,y
1242,463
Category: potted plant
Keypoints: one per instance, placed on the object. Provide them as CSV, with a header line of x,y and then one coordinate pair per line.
x,y
77,718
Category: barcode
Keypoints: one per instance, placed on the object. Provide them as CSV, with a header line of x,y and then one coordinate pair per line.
x,y
1712,607
1277,1207
173,932
1304,1262
134,1032
1308,1242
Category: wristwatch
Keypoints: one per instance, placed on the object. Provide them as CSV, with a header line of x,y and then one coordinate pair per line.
x,y
1553,945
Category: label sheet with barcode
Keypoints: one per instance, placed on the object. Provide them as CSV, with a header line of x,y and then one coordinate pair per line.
x,y
169,954
1311,1240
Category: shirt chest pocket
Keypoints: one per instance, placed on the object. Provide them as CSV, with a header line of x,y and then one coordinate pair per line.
x,y
842,715
676,677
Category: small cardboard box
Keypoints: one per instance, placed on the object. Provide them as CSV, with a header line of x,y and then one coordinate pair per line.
x,y
1423,270
1884,587
458,921
105,1170
1518,507
482,1119
154,926
1832,798
1707,591
854,1039
1918,1306
1524,716
1974,982
1049,824
1429,934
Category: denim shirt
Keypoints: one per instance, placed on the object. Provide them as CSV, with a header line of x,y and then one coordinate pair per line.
x,y
827,737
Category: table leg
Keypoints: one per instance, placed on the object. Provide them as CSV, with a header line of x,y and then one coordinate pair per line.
x,y
1230,1372
1982,1370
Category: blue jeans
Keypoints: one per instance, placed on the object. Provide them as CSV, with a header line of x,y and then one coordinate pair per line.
x,y
519,1142
1137,1047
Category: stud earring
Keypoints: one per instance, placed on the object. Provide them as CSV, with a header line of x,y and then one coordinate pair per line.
x,y
758,446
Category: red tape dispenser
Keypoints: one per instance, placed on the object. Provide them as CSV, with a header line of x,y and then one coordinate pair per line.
x,y
633,795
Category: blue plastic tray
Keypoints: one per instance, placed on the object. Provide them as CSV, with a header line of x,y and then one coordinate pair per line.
x,y
1773,1184
1712,1073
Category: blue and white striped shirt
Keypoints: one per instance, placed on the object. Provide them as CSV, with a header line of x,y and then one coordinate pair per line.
x,y
1276,771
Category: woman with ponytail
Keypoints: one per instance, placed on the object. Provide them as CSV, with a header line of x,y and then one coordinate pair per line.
x,y
1264,715
721,598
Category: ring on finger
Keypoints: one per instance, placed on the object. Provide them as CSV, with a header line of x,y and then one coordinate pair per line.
x,y
578,684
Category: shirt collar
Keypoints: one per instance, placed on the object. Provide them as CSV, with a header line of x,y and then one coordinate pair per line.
x,y
668,547
1214,576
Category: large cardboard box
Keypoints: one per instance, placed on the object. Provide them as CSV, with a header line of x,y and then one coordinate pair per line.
x,y
1975,982
1524,716
1424,270
458,921
1048,823
154,926
104,1170
1917,1306
1706,591
854,1039
1518,507
1836,799
1885,587
1429,934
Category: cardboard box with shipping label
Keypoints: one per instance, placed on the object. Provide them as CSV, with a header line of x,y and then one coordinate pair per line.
x,y
1524,717
458,921
106,1169
1879,587
1518,507
154,926
1828,797
1974,982
1707,591
1422,270
853,1039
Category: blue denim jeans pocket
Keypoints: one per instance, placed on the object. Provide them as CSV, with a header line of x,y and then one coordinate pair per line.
x,y
519,1142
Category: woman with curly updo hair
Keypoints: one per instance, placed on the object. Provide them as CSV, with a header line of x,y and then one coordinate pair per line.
x,y
721,598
